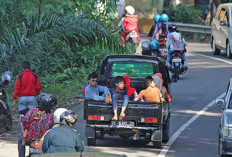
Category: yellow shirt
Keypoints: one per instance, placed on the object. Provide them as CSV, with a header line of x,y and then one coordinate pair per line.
x,y
151,94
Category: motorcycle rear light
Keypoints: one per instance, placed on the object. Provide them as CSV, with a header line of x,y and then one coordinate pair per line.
x,y
95,117
36,144
149,120
176,55
161,43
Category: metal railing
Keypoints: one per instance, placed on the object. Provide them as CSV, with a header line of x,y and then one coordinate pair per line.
x,y
193,28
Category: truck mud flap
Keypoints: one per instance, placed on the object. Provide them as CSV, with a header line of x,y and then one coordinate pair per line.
x,y
90,132
157,135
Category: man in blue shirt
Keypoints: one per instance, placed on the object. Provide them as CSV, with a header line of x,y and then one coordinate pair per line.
x,y
92,91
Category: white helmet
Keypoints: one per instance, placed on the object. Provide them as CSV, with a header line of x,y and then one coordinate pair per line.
x,y
130,10
58,112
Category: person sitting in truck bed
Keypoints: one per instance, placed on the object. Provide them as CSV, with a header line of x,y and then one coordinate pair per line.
x,y
131,92
158,77
151,93
92,91
119,92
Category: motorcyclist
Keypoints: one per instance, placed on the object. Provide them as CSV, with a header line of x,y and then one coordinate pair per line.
x,y
155,48
63,138
161,28
37,121
146,48
130,24
175,43
57,114
156,20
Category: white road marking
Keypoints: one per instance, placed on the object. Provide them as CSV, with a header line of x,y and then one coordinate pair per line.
x,y
218,59
167,146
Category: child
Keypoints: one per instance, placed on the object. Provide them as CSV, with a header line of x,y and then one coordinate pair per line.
x,y
151,93
131,92
119,92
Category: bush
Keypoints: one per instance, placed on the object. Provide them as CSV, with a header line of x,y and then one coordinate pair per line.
x,y
185,14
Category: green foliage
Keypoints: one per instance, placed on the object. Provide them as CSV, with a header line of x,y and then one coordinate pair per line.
x,y
63,39
184,14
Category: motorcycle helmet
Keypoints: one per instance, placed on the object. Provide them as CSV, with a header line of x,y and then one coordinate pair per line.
x,y
164,18
6,77
46,101
155,45
58,112
69,117
146,47
172,28
156,18
130,10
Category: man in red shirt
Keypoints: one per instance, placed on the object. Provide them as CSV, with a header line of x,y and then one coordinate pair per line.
x,y
26,88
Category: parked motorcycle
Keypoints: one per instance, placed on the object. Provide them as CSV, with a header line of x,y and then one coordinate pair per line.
x,y
5,113
177,65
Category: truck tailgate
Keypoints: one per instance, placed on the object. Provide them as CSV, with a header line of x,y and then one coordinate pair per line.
x,y
135,110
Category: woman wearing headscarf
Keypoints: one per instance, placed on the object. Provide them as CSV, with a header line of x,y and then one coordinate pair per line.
x,y
131,92
158,79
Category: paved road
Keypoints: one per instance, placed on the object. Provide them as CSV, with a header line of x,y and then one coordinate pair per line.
x,y
205,80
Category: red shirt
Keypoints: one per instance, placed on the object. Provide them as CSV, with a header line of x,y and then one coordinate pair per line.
x,y
131,22
27,84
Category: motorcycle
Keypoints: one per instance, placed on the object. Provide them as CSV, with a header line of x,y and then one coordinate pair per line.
x,y
177,65
132,38
163,50
5,112
34,148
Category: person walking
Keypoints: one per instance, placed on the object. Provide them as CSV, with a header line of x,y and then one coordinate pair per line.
x,y
26,88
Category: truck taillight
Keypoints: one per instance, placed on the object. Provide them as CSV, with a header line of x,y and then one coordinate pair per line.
x,y
95,117
149,120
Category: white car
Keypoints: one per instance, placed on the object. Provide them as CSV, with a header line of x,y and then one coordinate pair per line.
x,y
221,28
225,128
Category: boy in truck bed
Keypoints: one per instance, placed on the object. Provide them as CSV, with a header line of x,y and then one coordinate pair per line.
x,y
151,93
119,92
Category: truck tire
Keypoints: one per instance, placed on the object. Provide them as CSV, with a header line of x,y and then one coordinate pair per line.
x,y
157,144
166,127
91,141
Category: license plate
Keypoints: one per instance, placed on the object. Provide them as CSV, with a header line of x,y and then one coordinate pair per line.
x,y
165,50
176,60
123,124
133,34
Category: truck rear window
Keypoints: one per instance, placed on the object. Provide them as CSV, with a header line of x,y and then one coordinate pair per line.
x,y
132,69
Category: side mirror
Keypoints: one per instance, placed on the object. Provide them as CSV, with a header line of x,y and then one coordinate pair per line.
x,y
220,102
223,23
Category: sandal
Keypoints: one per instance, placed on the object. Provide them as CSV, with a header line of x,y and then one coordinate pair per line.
x,y
122,115
114,118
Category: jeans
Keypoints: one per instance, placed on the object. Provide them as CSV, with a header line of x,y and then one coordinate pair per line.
x,y
116,97
26,102
169,56
21,148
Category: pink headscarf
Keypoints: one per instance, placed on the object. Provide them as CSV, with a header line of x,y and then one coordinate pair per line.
x,y
158,80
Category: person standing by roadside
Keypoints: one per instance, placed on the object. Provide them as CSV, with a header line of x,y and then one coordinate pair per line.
x,y
26,88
